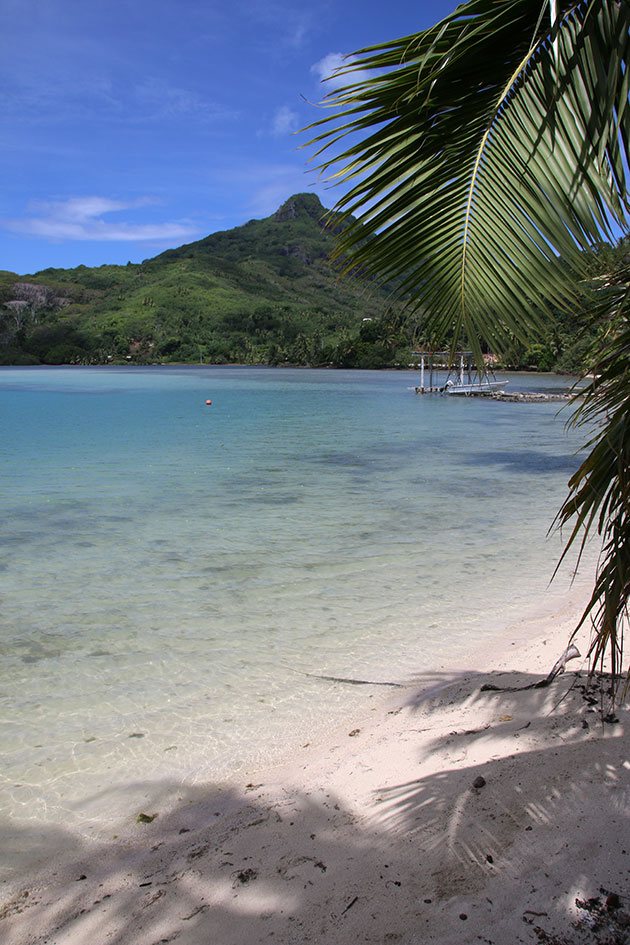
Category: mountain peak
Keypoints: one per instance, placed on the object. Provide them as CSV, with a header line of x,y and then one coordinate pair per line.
x,y
300,206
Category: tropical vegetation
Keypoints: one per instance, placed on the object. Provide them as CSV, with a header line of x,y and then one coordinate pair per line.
x,y
483,161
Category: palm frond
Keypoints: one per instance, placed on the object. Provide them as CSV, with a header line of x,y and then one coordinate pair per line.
x,y
599,496
489,147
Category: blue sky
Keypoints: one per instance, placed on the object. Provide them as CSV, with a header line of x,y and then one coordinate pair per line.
x,y
129,127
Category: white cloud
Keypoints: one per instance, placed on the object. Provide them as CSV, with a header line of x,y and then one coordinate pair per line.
x,y
284,122
326,70
81,218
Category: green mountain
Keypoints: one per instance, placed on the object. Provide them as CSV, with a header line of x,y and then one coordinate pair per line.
x,y
262,293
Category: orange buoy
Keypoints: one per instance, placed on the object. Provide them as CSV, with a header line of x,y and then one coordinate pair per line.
x,y
208,403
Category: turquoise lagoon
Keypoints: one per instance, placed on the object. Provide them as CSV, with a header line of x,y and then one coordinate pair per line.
x,y
174,577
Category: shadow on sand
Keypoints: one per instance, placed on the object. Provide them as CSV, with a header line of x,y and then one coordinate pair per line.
x,y
299,864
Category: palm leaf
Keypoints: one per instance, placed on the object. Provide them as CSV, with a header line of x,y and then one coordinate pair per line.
x,y
489,109
599,494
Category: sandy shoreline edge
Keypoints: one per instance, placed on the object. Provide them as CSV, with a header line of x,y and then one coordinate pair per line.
x,y
377,833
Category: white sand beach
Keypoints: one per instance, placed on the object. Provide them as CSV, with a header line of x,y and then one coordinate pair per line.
x,y
448,815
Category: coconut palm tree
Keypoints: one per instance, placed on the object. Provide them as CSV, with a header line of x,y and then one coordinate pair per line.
x,y
480,159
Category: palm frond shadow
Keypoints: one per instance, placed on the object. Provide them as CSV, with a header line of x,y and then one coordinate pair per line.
x,y
236,864
477,808
222,866
477,831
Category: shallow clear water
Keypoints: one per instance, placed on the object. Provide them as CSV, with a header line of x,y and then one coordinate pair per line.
x,y
170,572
